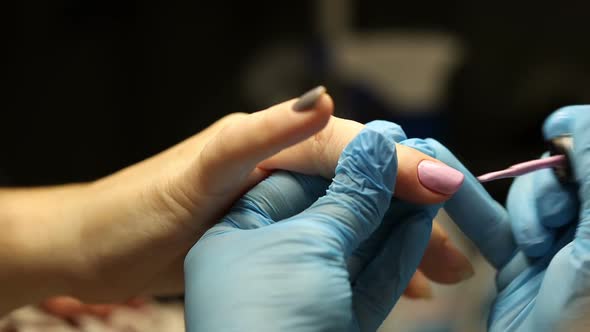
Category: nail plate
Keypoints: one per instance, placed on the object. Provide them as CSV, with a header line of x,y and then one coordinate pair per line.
x,y
307,100
439,177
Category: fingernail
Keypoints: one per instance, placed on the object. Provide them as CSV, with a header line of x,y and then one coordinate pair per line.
x,y
458,262
439,177
307,100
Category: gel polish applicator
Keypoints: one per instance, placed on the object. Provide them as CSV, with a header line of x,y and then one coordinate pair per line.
x,y
560,149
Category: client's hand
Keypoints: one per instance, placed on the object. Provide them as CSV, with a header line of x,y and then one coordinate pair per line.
x,y
127,234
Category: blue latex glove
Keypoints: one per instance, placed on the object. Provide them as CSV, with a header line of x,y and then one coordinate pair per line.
x,y
290,256
545,284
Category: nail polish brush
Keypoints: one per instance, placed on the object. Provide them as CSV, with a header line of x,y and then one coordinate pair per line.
x,y
560,149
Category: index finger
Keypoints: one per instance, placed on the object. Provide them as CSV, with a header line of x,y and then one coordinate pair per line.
x,y
477,214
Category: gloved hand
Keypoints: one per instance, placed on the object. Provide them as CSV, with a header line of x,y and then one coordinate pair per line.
x,y
545,284
288,258
551,222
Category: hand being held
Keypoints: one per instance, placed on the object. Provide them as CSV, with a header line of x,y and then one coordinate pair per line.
x,y
127,234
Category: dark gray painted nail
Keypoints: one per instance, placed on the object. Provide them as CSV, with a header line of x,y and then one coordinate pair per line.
x,y
307,100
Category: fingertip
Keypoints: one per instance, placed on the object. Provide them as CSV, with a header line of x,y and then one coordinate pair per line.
x,y
323,110
529,233
309,99
477,214
314,117
242,145
419,287
318,113
63,306
390,129
561,121
420,145
557,204
421,178
443,262
439,178
325,104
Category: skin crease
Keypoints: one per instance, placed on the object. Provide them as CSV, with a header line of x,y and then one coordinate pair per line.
x,y
155,210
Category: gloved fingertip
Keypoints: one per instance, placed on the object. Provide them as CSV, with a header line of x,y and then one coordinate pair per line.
x,y
420,145
561,121
556,204
391,129
531,235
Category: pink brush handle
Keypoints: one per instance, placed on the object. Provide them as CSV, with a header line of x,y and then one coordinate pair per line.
x,y
523,168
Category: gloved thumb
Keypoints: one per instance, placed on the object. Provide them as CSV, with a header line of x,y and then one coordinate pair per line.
x,y
360,192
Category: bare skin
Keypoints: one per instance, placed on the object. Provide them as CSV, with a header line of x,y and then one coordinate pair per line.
x,y
127,234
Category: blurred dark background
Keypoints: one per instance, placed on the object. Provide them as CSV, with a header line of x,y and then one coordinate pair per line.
x,y
93,86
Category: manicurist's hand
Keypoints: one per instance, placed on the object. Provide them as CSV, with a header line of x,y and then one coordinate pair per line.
x,y
551,222
291,256
540,243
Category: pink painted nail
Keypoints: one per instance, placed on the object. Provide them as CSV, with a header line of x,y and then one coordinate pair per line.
x,y
439,177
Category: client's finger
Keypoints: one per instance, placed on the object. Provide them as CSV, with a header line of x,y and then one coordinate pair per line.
x,y
66,307
442,261
227,163
418,287
62,306
239,147
420,178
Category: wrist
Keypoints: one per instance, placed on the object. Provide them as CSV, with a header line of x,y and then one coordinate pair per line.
x,y
37,247
122,231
